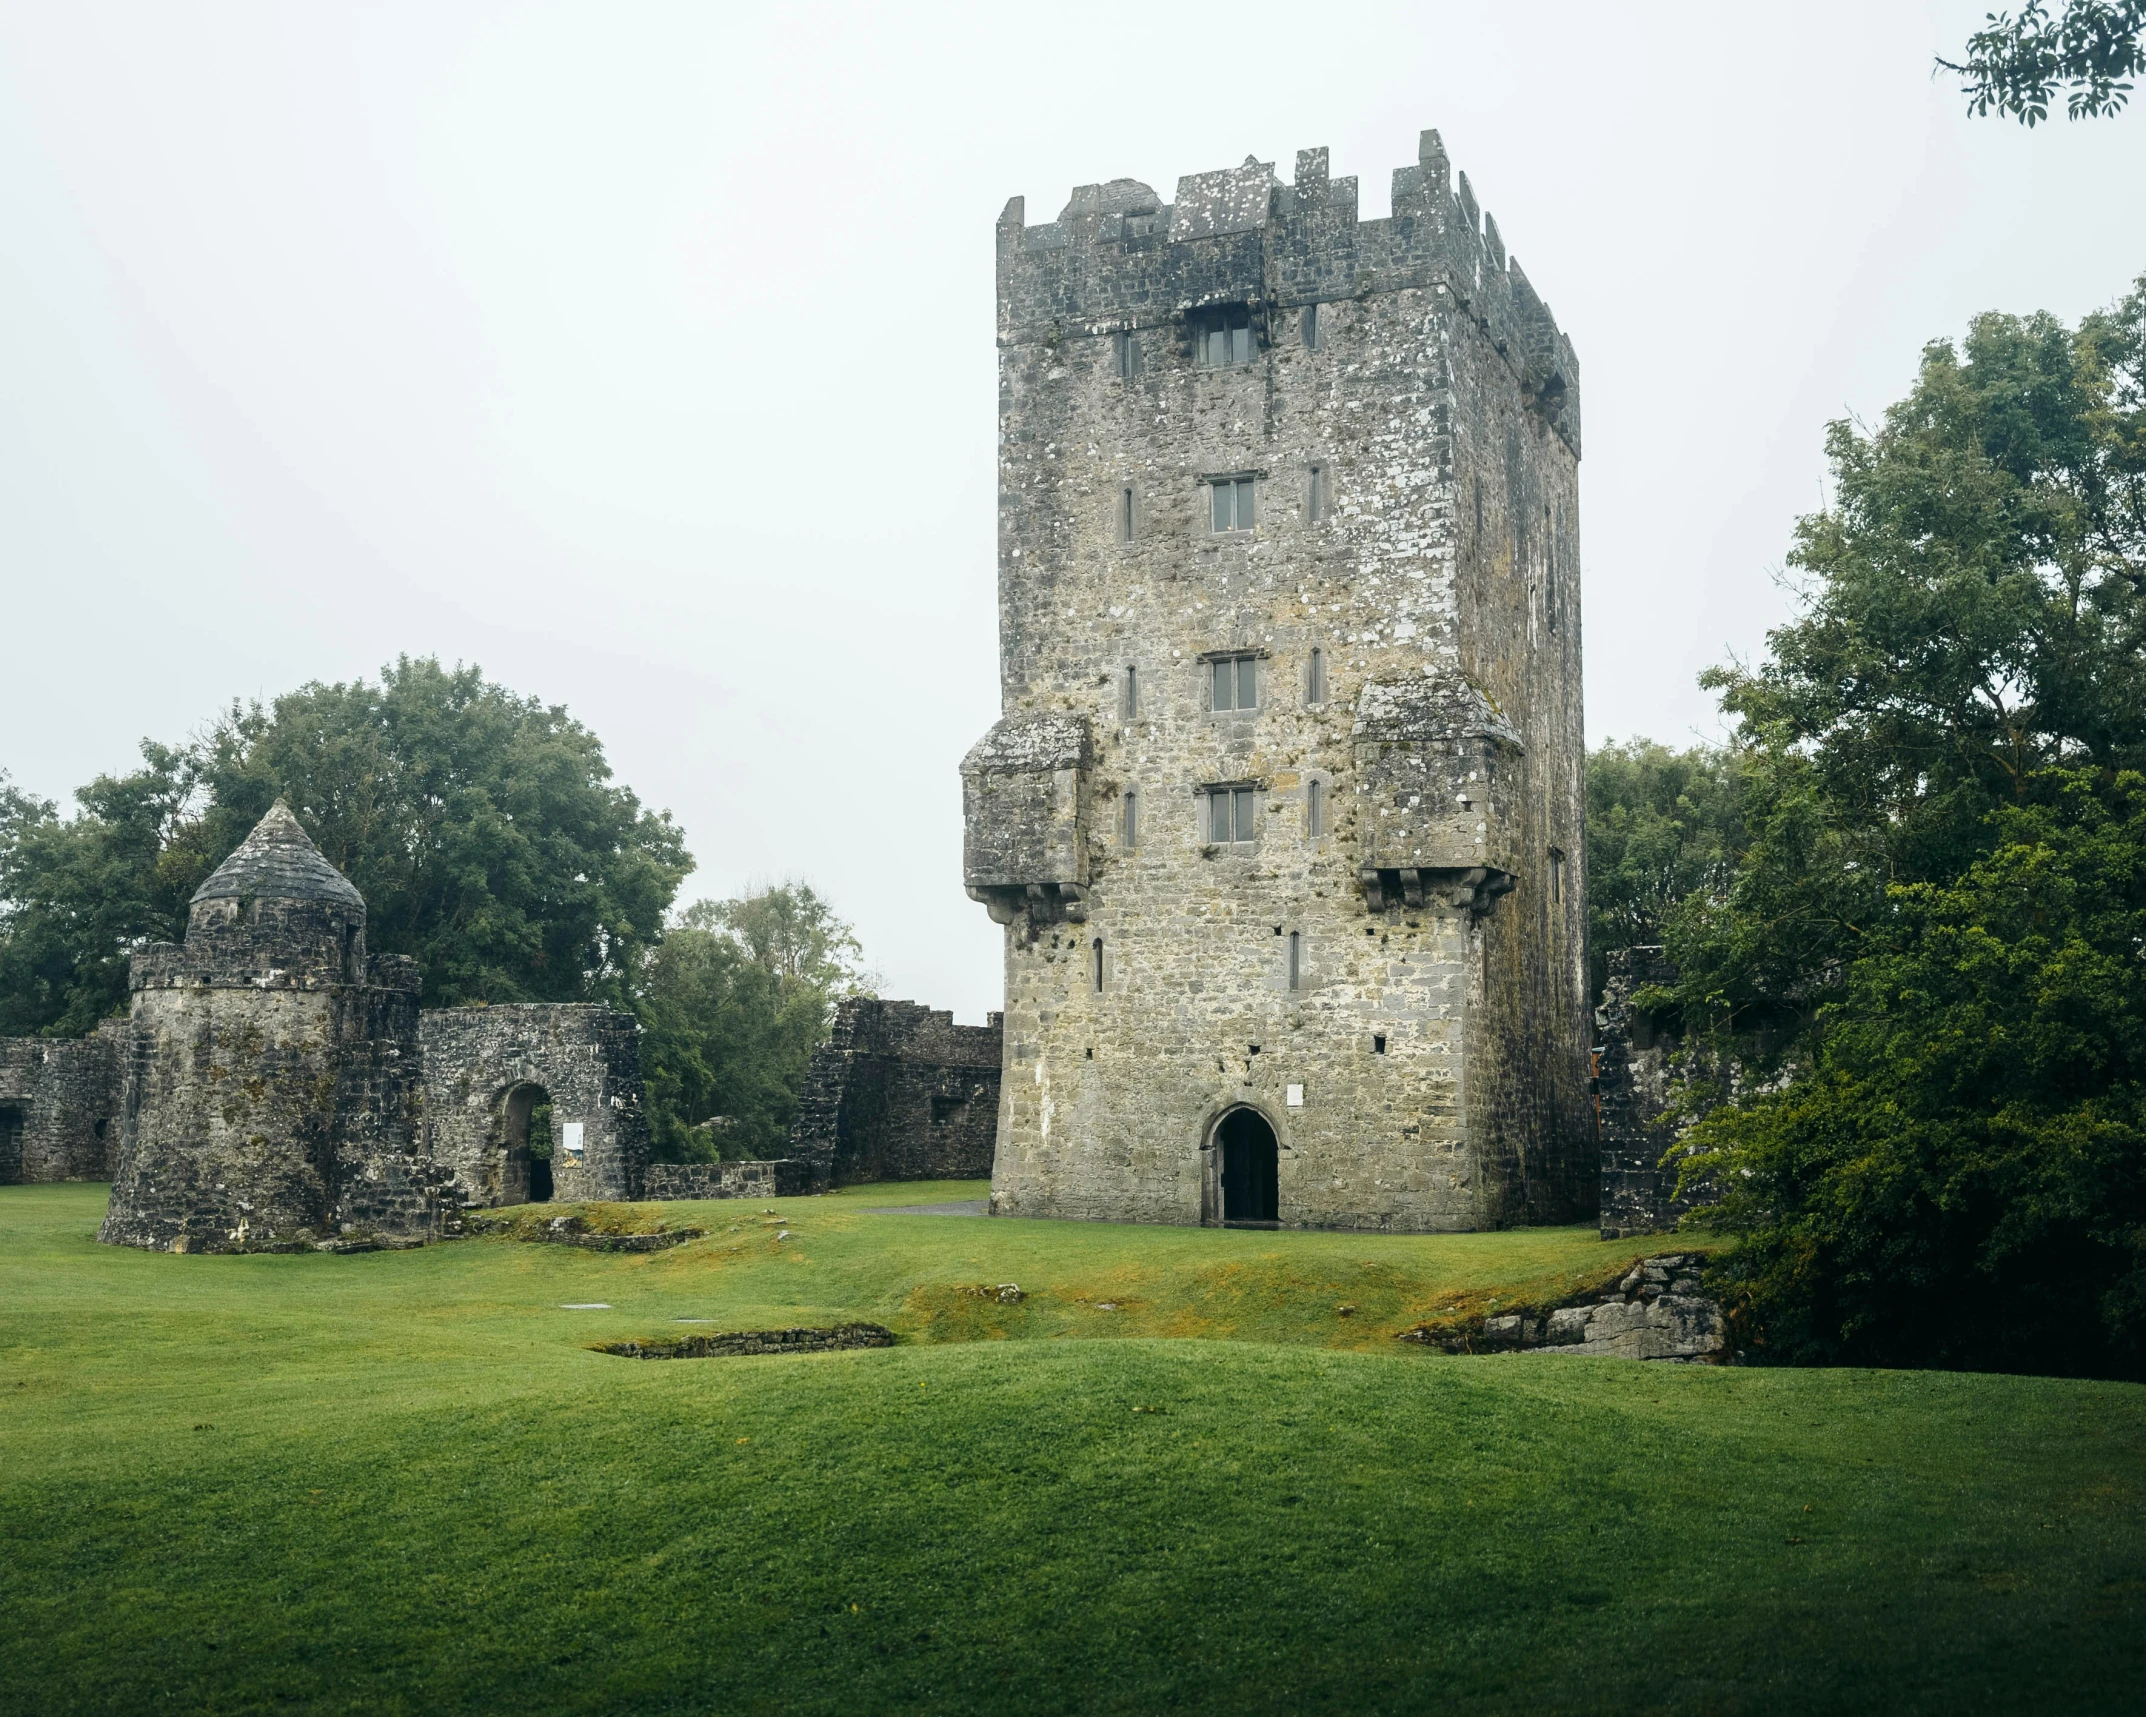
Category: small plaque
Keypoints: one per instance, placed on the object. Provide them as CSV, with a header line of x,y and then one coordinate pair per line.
x,y
572,1138
1296,1097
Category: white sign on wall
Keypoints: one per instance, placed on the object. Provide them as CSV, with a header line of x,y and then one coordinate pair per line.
x,y
1296,1096
572,1138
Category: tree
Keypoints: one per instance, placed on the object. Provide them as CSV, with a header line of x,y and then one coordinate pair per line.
x,y
1943,882
2090,51
482,827
1661,825
733,1003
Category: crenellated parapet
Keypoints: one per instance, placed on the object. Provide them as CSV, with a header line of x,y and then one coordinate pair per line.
x,y
1117,259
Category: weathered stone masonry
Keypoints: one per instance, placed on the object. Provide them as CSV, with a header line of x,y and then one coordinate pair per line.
x,y
899,1092
59,1105
1384,986
279,1087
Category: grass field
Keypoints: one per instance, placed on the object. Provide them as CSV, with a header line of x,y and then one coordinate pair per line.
x,y
402,1482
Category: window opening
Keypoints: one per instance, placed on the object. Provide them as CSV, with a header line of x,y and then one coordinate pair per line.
x,y
1309,323
1315,677
1236,682
1126,346
1557,875
1315,498
1098,949
1125,514
1222,337
1230,504
1132,817
1549,577
1296,959
1229,815
1315,809
1378,1043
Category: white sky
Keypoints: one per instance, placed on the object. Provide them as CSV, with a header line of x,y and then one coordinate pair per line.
x,y
643,354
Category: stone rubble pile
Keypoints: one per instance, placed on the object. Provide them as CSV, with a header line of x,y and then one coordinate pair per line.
x,y
1657,1312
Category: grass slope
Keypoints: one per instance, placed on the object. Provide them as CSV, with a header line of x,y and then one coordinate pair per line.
x,y
400,1482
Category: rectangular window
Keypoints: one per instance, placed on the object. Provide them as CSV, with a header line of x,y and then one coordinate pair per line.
x,y
1315,809
1125,514
1296,960
1557,875
1315,677
1127,352
1309,323
1132,817
1315,497
1129,701
1222,337
1235,682
1229,815
1098,946
1231,503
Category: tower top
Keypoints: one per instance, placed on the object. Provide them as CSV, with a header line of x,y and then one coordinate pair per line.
x,y
279,861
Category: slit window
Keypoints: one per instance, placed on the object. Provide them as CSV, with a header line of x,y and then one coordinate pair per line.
x,y
1230,504
1549,575
1222,337
1315,496
1132,817
1557,876
1315,677
1129,698
1296,960
1315,809
1126,518
1125,349
1378,1043
1229,815
1097,949
1308,324
1234,682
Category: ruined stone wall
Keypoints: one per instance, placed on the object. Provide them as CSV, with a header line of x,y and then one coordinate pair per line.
x,y
268,1086
777,1177
59,1105
899,1092
585,1058
1637,1078
1427,1067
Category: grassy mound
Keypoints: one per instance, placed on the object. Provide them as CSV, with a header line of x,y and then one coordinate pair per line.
x,y
402,1482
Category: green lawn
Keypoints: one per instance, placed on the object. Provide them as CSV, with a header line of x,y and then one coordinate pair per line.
x,y
401,1482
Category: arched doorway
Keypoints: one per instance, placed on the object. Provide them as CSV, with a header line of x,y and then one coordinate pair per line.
x,y
527,1135
1251,1158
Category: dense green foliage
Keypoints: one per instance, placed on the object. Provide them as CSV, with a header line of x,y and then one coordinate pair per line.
x,y
2091,50
401,1482
733,1002
483,829
1662,825
1944,879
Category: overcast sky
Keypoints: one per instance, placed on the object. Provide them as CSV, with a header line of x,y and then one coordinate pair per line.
x,y
643,354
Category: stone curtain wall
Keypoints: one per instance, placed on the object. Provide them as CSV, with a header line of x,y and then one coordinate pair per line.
x,y
59,1106
1408,414
780,1177
1636,1079
587,1060
899,1092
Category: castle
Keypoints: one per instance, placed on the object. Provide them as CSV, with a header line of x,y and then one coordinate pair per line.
x,y
1283,816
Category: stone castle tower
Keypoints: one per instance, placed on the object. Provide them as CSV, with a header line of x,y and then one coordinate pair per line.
x,y
1283,816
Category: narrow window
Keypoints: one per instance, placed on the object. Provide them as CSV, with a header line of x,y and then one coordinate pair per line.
x,y
1127,346
1557,875
1125,514
1378,1044
1236,682
1315,496
1315,809
1132,817
1309,323
1549,577
1098,949
1315,678
1230,500
1129,703
1296,960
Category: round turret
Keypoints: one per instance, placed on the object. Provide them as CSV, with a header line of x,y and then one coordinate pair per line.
x,y
279,861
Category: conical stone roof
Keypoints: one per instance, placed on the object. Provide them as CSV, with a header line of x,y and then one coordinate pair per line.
x,y
279,861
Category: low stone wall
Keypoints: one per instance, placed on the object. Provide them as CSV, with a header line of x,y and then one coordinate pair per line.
x,y
780,1177
739,1343
1658,1311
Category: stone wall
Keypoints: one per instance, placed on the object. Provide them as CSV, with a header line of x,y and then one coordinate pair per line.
x,y
1390,971
483,1068
899,1092
59,1105
1636,1079
779,1177
1659,1311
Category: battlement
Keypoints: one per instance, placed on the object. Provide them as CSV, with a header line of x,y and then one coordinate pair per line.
x,y
1118,259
